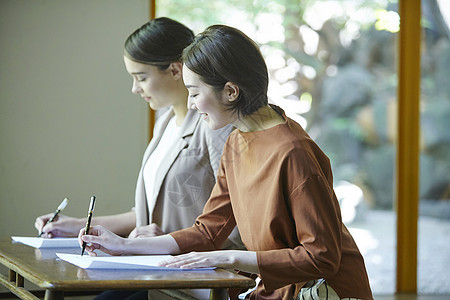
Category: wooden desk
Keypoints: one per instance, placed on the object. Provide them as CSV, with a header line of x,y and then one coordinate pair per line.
x,y
42,268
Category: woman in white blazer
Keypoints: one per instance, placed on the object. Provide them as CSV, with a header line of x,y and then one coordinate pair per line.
x,y
180,164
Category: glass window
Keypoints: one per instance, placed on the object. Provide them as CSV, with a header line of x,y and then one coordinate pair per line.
x,y
332,68
434,207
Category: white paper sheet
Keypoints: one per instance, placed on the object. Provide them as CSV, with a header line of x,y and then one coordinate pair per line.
x,y
38,242
143,262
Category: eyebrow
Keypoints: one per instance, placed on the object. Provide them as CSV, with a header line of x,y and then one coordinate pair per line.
x,y
137,73
191,86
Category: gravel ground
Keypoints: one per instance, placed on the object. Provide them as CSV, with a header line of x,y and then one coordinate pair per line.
x,y
375,235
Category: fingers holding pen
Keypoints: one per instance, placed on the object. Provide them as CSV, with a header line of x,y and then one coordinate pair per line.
x,y
54,229
61,226
41,221
93,242
100,238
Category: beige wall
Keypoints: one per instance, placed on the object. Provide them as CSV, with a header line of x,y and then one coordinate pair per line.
x,y
69,125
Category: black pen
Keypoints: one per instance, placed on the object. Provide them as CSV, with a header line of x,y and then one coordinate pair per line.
x,y
88,222
60,208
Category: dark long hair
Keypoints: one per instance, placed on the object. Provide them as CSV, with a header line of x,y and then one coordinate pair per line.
x,y
158,42
222,54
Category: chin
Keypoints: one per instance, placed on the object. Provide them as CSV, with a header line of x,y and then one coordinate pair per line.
x,y
156,106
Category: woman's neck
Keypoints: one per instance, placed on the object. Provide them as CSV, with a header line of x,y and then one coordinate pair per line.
x,y
180,113
180,107
264,118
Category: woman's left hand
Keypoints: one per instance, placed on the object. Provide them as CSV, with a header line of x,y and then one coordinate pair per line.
x,y
225,259
146,231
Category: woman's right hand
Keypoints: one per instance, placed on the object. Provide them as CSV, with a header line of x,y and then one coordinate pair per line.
x,y
100,238
62,226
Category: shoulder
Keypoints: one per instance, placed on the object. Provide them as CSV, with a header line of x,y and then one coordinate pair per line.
x,y
303,158
293,140
293,147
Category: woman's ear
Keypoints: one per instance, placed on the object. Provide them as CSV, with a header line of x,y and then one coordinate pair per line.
x,y
231,91
176,70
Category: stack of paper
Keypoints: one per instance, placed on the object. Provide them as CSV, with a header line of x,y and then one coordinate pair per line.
x,y
105,261
142,262
38,242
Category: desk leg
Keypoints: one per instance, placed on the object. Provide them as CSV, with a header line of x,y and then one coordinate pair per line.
x,y
12,275
20,281
54,295
218,294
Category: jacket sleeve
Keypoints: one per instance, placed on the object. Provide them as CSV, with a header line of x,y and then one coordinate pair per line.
x,y
213,226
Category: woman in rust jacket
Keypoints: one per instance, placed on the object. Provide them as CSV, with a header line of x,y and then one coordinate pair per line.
x,y
273,182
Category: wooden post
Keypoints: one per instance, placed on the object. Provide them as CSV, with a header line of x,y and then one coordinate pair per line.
x,y
408,131
151,112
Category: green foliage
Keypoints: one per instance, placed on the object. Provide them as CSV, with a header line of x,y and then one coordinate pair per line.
x,y
344,56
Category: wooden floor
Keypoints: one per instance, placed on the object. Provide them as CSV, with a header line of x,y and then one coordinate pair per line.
x,y
411,297
376,297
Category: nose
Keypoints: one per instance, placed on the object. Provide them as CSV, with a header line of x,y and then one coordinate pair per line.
x,y
191,104
135,88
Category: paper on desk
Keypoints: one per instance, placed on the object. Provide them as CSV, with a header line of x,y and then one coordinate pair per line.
x,y
142,262
38,242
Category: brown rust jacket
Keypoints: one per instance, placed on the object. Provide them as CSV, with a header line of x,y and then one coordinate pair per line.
x,y
277,186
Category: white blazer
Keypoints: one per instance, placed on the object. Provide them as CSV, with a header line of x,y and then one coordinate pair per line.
x,y
185,178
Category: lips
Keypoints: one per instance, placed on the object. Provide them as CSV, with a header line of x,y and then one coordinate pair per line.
x,y
205,115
